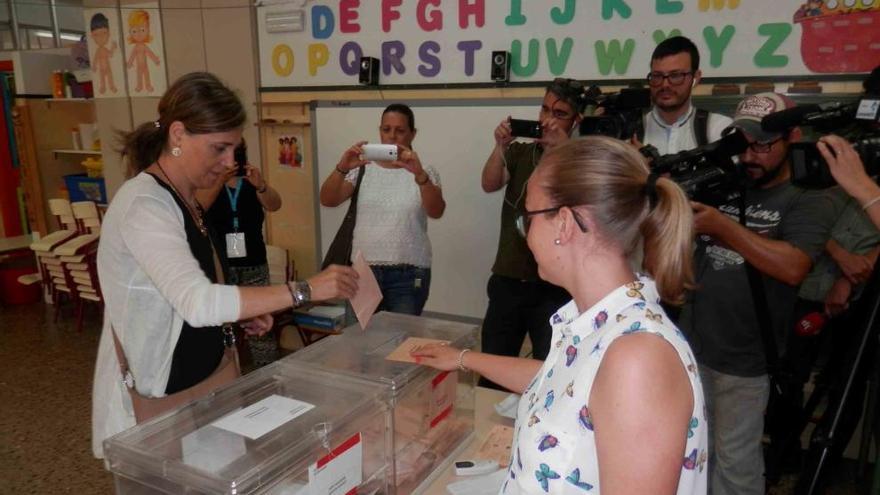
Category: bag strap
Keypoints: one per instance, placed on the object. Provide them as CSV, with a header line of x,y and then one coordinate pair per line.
x,y
352,206
701,127
228,340
759,300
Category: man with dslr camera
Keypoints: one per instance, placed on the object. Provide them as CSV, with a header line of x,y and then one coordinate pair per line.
x,y
786,229
520,302
674,124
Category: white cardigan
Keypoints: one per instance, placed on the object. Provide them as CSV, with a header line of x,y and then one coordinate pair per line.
x,y
151,284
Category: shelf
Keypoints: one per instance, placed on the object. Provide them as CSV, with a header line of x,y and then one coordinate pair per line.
x,y
77,152
284,122
69,99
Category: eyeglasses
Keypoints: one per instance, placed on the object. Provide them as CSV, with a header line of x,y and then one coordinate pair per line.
x,y
675,78
763,147
524,219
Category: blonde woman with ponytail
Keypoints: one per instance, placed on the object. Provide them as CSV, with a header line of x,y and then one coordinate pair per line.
x,y
617,407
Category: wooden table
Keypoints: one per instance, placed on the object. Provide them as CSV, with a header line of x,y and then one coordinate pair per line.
x,y
485,418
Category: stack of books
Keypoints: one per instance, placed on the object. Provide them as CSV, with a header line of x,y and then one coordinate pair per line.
x,y
326,317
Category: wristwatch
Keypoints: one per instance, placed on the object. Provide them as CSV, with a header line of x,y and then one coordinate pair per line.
x,y
301,292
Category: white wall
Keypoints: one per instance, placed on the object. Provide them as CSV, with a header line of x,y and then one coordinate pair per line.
x,y
455,138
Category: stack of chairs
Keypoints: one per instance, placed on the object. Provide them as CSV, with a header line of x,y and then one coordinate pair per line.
x,y
79,259
44,248
67,257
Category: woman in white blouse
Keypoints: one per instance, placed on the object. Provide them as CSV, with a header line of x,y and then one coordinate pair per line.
x,y
394,201
157,265
617,407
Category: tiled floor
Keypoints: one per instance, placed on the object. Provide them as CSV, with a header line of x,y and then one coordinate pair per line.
x,y
45,414
45,390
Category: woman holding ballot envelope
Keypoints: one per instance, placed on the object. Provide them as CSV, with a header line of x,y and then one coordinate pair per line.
x,y
617,407
161,274
394,200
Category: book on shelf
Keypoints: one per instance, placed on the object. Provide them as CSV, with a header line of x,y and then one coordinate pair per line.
x,y
330,317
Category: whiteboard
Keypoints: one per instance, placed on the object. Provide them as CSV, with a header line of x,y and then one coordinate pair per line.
x,y
455,138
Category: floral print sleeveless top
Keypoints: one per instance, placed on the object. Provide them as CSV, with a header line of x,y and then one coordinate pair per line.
x,y
554,448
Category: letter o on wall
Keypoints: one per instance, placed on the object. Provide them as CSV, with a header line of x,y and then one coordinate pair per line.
x,y
282,60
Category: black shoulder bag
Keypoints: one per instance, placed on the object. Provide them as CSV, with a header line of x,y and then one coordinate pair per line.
x,y
339,252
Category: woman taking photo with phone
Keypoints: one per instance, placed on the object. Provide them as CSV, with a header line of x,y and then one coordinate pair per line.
x,y
617,407
394,200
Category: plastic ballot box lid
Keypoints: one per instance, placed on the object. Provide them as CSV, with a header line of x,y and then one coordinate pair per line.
x,y
276,430
363,353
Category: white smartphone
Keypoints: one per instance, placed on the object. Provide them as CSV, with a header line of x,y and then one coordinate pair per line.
x,y
379,152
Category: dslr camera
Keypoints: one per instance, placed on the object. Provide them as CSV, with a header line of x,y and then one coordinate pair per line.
x,y
622,112
706,173
860,120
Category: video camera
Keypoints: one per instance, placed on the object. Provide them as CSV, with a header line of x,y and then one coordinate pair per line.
x,y
706,173
808,168
622,112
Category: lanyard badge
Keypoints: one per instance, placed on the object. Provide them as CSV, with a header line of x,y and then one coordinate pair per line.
x,y
235,243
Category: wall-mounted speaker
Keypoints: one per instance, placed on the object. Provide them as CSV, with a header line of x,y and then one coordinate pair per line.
x,y
369,71
500,66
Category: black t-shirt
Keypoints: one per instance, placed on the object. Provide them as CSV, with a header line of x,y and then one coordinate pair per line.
x,y
719,318
250,221
198,350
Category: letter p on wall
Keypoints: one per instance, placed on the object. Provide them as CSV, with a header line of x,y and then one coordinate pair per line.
x,y
319,55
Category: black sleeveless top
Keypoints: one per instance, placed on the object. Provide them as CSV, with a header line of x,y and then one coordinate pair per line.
x,y
199,350
250,221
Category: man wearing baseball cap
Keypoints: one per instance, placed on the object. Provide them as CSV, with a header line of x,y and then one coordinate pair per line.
x,y
786,230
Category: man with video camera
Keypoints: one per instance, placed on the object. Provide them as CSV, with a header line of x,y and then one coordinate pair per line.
x,y
730,330
674,124
520,302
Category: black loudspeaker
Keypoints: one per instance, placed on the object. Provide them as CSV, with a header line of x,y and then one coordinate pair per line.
x,y
500,66
369,71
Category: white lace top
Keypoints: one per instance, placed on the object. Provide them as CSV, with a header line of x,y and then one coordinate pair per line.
x,y
391,226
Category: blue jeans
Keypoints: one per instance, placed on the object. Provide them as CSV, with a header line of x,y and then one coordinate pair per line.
x,y
404,287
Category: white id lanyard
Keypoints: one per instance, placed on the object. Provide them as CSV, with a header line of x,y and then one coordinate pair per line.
x,y
235,244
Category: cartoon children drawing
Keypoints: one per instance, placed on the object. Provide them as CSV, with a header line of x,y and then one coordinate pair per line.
x,y
139,36
284,150
294,157
100,28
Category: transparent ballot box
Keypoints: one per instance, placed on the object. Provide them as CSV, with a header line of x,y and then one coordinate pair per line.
x,y
284,429
433,411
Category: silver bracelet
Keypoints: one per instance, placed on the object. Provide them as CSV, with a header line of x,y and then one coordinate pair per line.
x,y
461,359
870,203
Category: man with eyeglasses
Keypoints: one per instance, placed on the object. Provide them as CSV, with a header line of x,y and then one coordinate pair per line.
x,y
520,303
674,124
786,230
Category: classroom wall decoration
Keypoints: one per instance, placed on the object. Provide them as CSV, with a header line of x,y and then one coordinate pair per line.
x,y
144,52
289,154
105,52
320,42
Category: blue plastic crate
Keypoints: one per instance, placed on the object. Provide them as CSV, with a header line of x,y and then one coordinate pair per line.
x,y
81,187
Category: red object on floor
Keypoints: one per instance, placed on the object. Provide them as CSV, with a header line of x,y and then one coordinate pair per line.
x,y
12,292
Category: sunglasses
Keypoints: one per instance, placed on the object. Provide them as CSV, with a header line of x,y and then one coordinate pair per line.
x,y
524,219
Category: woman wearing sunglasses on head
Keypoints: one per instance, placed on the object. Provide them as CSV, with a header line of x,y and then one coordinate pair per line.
x,y
618,404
